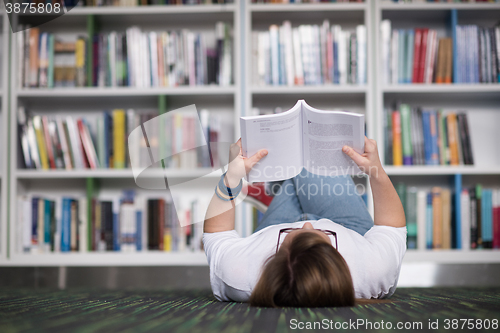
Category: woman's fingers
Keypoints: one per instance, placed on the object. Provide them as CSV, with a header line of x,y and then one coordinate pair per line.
x,y
251,161
357,158
234,151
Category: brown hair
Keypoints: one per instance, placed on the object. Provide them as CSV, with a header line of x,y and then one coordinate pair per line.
x,y
309,272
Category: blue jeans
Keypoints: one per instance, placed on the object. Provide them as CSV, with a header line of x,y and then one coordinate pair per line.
x,y
312,197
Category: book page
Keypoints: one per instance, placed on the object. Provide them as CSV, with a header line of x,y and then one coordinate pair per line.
x,y
280,135
323,136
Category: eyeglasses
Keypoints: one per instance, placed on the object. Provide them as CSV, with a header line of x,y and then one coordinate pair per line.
x,y
288,230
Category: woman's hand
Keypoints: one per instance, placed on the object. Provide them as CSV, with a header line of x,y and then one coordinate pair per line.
x,y
369,161
239,166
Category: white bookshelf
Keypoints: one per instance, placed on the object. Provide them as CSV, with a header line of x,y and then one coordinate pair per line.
x,y
4,125
457,89
155,10
92,100
307,7
112,173
389,5
316,90
127,91
150,258
440,170
452,256
480,101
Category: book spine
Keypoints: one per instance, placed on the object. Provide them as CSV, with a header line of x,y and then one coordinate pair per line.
x,y
423,55
34,35
38,127
116,232
421,219
397,149
426,124
446,217
161,224
65,225
468,140
496,217
464,242
442,135
119,139
74,226
473,218
401,56
80,62
394,56
48,143
459,208
486,219
411,213
479,216
406,134
452,138
429,223
48,225
416,55
434,139
454,38
437,218
410,44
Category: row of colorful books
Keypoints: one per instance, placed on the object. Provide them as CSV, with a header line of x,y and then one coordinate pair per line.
x,y
309,55
134,58
416,136
415,55
128,3
418,56
434,221
66,142
127,224
478,54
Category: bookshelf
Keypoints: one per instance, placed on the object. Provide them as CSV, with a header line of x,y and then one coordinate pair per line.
x,y
480,101
4,117
88,101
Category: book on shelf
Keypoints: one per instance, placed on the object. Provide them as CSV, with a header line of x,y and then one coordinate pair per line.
x,y
127,224
434,220
101,141
309,55
416,136
315,139
133,58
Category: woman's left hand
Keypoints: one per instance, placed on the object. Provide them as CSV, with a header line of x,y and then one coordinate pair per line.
x,y
239,166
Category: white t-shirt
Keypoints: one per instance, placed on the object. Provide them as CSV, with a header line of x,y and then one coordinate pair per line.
x,y
374,259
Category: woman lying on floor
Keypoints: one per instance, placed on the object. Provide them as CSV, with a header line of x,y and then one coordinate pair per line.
x,y
308,250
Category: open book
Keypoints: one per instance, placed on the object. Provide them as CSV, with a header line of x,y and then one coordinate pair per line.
x,y
302,137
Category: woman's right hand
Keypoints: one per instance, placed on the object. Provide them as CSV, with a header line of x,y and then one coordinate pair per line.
x,y
369,161
239,165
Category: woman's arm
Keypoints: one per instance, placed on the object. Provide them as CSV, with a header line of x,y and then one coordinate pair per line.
x,y
388,209
220,213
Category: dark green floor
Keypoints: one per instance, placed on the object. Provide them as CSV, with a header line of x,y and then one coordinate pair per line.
x,y
24,310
